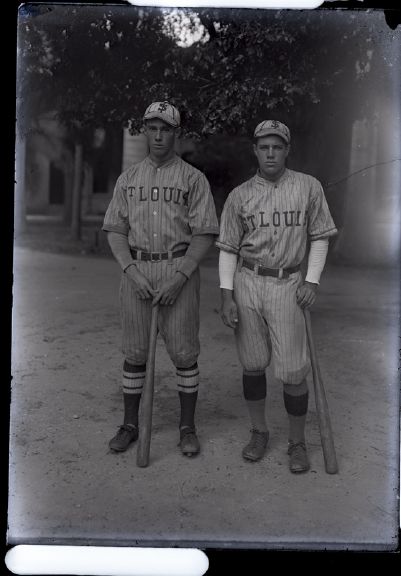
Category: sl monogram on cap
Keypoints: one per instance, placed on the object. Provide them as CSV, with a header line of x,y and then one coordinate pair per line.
x,y
165,111
276,127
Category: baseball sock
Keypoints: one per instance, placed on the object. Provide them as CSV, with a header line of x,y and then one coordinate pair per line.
x,y
188,384
254,388
296,404
133,380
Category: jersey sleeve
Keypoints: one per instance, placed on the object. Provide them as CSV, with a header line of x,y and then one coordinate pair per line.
x,y
320,222
116,218
202,216
231,228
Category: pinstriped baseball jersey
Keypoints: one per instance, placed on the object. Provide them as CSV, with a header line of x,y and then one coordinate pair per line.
x,y
270,222
161,207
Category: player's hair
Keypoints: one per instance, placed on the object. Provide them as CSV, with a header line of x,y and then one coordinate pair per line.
x,y
145,122
255,139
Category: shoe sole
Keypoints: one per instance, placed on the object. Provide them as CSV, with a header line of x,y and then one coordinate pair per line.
x,y
250,459
122,449
301,471
188,453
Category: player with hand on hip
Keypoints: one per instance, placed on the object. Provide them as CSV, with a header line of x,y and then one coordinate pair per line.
x,y
266,225
160,223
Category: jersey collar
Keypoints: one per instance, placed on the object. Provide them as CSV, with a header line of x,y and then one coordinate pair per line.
x,y
260,180
168,162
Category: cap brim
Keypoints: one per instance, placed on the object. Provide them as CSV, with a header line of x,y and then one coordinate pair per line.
x,y
159,115
271,132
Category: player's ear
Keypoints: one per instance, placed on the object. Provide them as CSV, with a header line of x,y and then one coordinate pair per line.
x,y
255,148
287,150
178,132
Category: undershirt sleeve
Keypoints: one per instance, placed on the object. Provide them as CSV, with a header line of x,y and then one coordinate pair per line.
x,y
197,249
227,266
316,260
120,249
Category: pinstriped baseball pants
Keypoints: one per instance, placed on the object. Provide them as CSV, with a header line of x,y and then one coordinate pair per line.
x,y
271,325
178,324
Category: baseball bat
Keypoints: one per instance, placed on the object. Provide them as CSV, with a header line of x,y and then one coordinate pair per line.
x,y
322,409
145,427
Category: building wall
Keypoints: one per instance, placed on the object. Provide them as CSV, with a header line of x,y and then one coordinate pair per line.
x,y
49,172
48,162
370,233
135,148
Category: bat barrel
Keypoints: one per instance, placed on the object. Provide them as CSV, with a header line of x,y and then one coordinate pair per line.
x,y
322,409
145,427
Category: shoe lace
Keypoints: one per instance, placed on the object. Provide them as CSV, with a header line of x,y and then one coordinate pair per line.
x,y
125,428
187,431
258,439
296,447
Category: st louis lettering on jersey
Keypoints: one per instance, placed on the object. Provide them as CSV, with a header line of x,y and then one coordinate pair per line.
x,y
264,220
167,194
270,223
160,208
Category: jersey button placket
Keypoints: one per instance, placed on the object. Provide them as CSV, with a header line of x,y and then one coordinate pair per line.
x,y
272,254
154,210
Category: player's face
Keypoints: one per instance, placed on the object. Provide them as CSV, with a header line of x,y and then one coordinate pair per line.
x,y
161,139
271,152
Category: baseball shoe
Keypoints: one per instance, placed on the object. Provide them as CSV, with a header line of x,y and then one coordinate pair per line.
x,y
189,442
256,447
127,433
298,457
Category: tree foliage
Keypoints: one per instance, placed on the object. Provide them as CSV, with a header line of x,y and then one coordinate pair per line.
x,y
102,65
99,64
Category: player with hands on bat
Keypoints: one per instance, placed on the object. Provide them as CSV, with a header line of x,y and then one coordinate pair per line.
x,y
160,223
266,225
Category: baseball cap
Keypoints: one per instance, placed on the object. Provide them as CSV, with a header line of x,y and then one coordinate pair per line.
x,y
164,111
272,127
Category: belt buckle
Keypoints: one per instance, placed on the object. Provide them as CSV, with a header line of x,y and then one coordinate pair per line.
x,y
155,259
283,274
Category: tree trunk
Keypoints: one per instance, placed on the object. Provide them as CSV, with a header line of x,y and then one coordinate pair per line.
x,y
77,193
19,198
69,184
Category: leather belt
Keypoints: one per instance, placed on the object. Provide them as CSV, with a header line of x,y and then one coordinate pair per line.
x,y
264,271
156,256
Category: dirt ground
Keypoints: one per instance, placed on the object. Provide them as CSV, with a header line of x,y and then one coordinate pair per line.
x,y
66,487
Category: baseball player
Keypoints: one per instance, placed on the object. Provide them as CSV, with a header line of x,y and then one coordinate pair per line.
x,y
266,225
160,223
